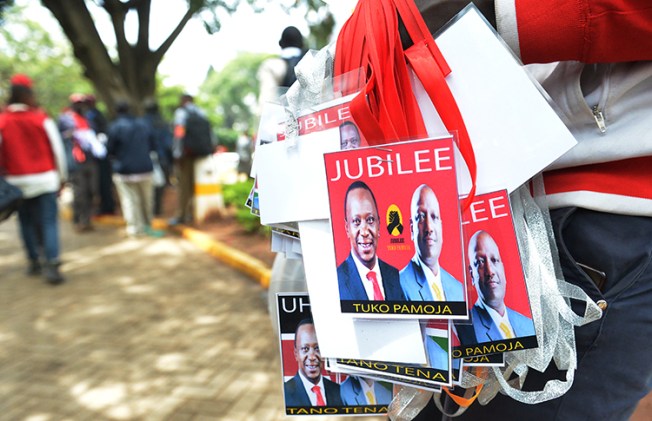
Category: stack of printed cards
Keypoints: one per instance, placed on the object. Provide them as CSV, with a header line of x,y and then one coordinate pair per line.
x,y
404,286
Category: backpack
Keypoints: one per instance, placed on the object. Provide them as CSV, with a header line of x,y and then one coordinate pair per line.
x,y
198,140
290,76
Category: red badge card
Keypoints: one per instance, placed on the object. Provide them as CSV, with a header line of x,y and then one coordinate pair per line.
x,y
499,307
308,388
397,230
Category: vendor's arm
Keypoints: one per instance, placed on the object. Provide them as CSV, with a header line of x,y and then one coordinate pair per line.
x,y
590,31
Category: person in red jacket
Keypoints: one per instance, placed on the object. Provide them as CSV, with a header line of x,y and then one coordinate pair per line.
x,y
32,158
86,150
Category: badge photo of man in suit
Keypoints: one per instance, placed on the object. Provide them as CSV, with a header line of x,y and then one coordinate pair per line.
x,y
363,276
492,319
308,387
423,278
357,391
349,136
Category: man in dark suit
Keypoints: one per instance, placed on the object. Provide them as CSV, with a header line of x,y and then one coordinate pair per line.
x,y
356,391
492,319
308,387
423,279
381,281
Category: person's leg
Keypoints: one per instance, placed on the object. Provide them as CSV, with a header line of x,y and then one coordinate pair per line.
x,y
85,196
50,226
185,188
127,204
141,214
77,180
87,188
158,200
614,367
105,186
44,214
191,200
27,224
93,188
146,193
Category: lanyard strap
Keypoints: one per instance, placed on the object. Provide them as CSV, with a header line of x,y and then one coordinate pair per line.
x,y
386,109
435,85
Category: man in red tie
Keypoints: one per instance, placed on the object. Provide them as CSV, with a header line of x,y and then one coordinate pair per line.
x,y
363,276
308,387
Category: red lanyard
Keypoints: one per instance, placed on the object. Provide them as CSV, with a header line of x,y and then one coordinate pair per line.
x,y
386,109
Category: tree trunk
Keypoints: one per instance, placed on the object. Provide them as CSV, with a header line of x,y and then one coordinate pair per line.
x,y
133,76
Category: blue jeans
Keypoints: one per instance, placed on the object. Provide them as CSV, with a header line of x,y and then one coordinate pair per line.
x,y
38,218
614,364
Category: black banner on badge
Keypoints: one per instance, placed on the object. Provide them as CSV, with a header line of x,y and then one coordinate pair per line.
x,y
336,410
495,347
403,370
445,309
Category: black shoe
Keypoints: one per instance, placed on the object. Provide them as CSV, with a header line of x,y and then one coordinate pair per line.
x,y
52,275
34,268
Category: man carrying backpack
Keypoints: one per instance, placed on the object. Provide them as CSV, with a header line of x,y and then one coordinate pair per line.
x,y
278,72
275,73
193,139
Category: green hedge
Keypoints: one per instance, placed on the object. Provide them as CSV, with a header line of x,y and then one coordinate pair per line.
x,y
236,195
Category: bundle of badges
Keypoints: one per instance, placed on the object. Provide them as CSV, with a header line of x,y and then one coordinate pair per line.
x,y
409,233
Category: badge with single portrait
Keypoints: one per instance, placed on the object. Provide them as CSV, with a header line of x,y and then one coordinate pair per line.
x,y
499,306
308,388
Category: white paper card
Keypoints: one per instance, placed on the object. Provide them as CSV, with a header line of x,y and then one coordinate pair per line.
x,y
292,180
514,131
340,336
291,175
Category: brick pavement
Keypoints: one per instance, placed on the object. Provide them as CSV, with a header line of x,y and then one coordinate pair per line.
x,y
144,329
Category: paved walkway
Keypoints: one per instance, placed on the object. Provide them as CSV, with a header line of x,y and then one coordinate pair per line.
x,y
144,329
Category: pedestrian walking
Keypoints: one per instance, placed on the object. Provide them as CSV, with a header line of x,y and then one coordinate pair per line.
x,y
163,156
130,142
193,139
33,158
84,151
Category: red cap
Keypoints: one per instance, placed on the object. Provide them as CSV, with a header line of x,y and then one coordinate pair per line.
x,y
21,79
76,97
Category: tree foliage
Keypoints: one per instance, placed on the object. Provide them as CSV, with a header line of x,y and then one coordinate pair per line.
x,y
4,5
131,74
320,22
27,48
231,93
